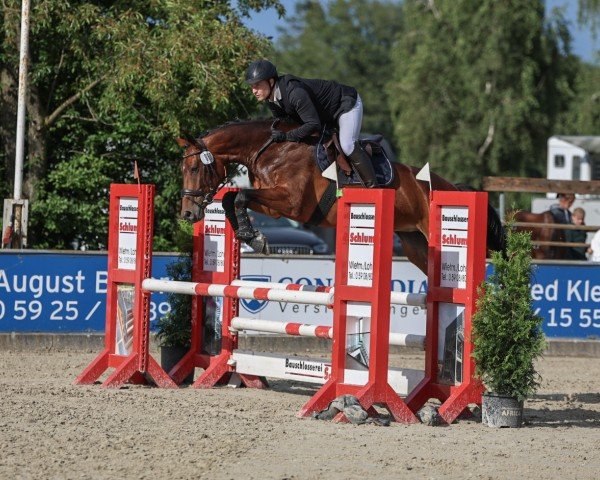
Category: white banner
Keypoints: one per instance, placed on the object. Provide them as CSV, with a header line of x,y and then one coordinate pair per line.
x,y
214,238
127,243
361,236
454,241
320,271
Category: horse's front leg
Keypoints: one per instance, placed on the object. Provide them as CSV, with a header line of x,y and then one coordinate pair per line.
x,y
235,205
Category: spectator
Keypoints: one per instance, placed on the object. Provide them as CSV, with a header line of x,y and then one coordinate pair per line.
x,y
561,214
577,236
594,248
560,211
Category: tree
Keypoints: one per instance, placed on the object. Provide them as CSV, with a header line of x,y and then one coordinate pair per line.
x,y
589,14
348,41
113,82
583,116
478,86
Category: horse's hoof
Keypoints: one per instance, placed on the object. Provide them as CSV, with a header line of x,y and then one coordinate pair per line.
x,y
246,234
260,244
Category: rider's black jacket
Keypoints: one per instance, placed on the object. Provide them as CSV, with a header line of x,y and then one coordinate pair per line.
x,y
312,103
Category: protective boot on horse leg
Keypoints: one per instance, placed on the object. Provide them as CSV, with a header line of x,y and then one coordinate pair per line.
x,y
361,163
245,231
228,204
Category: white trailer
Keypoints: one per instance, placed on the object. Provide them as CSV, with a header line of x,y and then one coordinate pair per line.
x,y
573,158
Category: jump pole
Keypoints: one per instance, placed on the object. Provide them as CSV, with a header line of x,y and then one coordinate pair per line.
x,y
126,339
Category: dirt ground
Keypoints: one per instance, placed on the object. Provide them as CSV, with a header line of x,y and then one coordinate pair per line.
x,y
52,429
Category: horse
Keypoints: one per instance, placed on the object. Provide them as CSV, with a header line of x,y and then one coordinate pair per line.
x,y
542,234
288,183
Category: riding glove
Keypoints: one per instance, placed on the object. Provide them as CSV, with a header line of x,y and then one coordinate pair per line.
x,y
278,136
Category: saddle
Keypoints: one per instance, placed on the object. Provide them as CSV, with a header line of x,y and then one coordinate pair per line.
x,y
329,151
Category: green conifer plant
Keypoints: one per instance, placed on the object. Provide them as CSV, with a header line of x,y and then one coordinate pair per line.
x,y
507,334
175,328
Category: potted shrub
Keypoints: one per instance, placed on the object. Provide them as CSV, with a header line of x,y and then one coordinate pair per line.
x,y
174,330
507,335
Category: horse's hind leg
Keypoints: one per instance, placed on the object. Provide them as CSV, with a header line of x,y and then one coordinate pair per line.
x,y
415,248
244,230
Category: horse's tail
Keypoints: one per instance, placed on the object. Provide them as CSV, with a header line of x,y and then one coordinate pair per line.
x,y
496,234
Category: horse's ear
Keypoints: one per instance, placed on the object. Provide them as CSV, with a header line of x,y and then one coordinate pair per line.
x,y
182,142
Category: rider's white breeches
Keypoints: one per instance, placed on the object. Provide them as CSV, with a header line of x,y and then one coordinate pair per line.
x,y
350,124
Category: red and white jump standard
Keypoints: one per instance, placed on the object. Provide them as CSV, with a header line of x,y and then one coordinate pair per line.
x,y
130,234
362,291
456,268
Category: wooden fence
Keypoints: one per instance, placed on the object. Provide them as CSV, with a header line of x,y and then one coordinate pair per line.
x,y
543,185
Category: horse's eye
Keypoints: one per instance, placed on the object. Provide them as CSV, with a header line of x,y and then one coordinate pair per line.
x,y
194,170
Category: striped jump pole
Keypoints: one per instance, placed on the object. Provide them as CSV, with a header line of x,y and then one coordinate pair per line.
x,y
320,331
281,286
290,328
412,299
397,298
232,291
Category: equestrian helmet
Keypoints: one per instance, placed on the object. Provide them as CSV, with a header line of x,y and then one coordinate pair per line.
x,y
260,70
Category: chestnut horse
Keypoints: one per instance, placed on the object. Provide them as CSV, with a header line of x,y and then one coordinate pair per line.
x,y
543,234
288,183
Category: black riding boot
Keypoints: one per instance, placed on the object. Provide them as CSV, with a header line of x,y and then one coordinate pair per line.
x,y
362,166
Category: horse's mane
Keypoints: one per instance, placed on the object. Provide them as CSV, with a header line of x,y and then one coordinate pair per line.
x,y
237,121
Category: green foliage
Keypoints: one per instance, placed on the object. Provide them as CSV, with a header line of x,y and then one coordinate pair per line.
x,y
477,86
589,14
583,116
112,83
507,335
474,87
348,41
175,328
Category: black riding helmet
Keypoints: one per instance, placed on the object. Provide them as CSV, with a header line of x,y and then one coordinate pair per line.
x,y
260,70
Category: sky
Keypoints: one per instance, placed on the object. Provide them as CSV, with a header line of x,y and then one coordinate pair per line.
x,y
583,44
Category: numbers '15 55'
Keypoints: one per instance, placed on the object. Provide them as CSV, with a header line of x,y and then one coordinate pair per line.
x,y
567,317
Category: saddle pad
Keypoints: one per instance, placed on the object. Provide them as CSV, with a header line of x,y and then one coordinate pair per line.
x,y
384,172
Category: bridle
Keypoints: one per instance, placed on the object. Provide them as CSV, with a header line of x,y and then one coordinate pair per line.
x,y
208,197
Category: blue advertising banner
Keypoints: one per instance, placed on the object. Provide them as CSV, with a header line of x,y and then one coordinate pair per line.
x,y
567,296
66,292
61,292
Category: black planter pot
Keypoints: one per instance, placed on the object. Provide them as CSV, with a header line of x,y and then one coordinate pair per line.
x,y
501,411
169,356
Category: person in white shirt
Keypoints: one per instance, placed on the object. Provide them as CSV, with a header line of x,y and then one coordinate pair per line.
x,y
594,248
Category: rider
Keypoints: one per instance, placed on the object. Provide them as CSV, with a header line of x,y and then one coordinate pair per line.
x,y
313,104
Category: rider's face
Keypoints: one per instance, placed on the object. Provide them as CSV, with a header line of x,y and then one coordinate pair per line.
x,y
261,90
